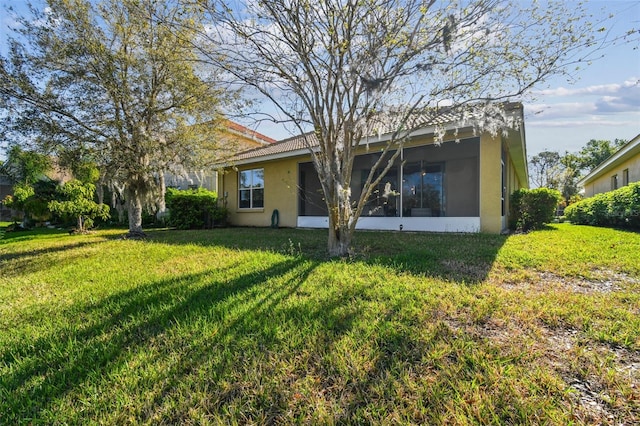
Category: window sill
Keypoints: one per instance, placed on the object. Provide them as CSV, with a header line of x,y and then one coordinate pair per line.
x,y
248,210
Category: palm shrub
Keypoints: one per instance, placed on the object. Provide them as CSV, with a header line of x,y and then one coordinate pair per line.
x,y
532,208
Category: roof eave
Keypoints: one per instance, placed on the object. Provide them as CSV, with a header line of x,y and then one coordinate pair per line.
x,y
627,151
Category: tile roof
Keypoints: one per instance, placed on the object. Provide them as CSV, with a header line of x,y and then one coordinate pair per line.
x,y
427,118
287,145
245,131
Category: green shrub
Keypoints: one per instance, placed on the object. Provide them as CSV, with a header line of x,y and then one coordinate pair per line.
x,y
76,201
194,209
615,208
532,208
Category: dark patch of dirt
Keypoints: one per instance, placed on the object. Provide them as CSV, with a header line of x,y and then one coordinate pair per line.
x,y
593,400
602,282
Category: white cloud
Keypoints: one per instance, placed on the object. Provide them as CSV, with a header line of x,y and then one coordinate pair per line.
x,y
579,123
553,111
596,89
568,107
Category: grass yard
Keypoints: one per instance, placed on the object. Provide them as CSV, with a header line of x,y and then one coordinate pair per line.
x,y
256,326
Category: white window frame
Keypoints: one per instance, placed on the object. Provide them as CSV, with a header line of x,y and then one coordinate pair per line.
x,y
251,188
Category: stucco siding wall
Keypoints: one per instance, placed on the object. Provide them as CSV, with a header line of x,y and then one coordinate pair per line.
x,y
280,192
603,182
473,181
490,184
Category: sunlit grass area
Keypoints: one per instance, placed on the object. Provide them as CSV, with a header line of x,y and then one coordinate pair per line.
x,y
257,326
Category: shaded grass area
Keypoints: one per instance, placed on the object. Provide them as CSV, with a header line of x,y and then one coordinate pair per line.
x,y
257,326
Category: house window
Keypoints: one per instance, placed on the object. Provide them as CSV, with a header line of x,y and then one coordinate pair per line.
x,y
625,177
422,189
384,199
614,182
426,181
251,191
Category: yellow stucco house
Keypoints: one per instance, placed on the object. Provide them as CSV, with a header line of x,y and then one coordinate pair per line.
x,y
619,170
460,185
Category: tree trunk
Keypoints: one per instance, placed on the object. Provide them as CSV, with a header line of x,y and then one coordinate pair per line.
x,y
162,207
340,229
134,208
339,240
100,191
80,226
116,202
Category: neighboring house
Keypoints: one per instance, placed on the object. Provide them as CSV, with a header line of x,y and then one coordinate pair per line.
x,y
232,136
619,170
452,187
6,188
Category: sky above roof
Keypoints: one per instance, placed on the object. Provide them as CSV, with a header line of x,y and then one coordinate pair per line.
x,y
602,103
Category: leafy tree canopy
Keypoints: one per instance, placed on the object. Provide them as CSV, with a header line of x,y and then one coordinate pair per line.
x,y
116,80
597,151
24,166
550,169
76,200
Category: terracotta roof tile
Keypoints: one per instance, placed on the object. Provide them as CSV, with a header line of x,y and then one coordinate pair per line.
x,y
428,118
295,143
252,134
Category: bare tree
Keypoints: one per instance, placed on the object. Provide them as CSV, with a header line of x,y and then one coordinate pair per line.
x,y
546,169
345,69
115,81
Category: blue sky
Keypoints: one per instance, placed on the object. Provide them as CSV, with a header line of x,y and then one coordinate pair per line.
x,y
604,102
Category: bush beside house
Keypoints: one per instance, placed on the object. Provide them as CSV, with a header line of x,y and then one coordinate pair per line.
x,y
615,208
194,209
532,208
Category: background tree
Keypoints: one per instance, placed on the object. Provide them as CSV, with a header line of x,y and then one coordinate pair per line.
x,y
545,170
25,166
570,175
32,188
597,151
113,79
32,200
345,69
550,169
77,201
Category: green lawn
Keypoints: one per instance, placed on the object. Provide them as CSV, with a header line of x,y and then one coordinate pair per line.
x,y
256,326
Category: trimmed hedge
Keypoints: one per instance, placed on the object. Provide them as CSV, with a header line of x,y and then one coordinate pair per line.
x,y
620,208
194,209
532,208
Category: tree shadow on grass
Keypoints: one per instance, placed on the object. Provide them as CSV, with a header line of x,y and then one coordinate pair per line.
x,y
25,262
462,258
105,335
265,346
26,235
